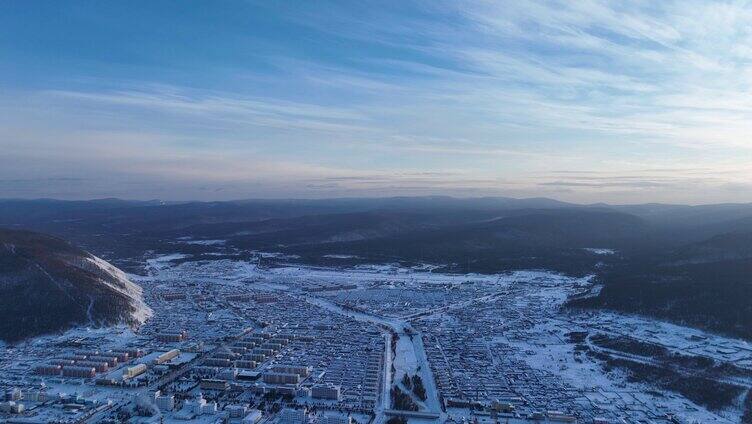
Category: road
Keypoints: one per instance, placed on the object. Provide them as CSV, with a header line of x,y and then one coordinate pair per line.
x,y
386,382
403,329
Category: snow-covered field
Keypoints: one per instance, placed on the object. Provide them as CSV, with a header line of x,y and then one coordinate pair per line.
x,y
600,251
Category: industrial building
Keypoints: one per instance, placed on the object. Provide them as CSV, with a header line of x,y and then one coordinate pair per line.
x,y
280,378
168,337
165,403
79,372
167,356
334,418
98,366
134,371
214,384
47,369
303,372
292,416
326,391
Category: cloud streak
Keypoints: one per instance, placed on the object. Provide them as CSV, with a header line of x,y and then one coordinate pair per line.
x,y
417,97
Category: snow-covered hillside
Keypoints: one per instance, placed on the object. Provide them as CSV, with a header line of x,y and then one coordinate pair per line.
x,y
48,285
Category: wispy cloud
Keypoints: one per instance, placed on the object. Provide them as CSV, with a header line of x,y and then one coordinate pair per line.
x,y
417,97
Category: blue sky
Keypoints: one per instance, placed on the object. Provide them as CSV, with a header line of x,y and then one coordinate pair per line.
x,y
586,101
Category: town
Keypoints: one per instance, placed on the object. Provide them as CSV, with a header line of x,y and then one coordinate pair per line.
x,y
236,342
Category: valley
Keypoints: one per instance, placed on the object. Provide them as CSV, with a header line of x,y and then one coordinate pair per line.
x,y
486,347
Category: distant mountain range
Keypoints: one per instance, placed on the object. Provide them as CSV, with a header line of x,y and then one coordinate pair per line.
x,y
48,285
119,229
115,213
686,263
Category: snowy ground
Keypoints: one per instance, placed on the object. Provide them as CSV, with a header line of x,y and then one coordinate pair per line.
x,y
676,337
504,333
389,294
599,251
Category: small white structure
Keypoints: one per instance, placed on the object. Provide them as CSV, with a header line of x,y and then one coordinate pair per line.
x,y
334,418
236,411
253,417
165,402
199,406
292,416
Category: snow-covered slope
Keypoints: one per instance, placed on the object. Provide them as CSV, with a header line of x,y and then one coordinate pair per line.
x,y
48,285
116,280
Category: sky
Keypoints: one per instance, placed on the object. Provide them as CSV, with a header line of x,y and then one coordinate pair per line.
x,y
584,101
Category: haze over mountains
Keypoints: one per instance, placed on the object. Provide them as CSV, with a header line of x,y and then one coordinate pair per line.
x,y
684,263
296,223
